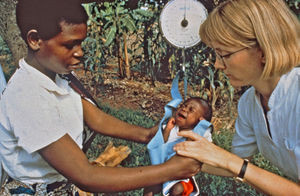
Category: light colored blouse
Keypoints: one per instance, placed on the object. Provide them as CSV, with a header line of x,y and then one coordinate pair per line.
x,y
282,148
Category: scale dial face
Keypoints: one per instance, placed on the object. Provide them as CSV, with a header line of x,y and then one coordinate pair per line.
x,y
180,22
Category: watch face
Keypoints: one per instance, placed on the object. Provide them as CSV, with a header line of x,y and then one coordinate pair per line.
x,y
180,21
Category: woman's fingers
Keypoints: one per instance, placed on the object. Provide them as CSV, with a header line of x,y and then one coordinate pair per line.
x,y
190,135
185,150
200,149
188,149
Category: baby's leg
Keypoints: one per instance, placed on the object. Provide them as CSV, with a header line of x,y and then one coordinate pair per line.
x,y
177,189
182,188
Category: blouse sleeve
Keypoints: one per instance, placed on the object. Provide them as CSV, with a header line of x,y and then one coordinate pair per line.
x,y
244,140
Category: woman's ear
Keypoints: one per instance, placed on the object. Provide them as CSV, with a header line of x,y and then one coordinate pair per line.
x,y
263,56
33,40
264,60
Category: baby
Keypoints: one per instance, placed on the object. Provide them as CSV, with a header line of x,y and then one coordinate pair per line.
x,y
185,118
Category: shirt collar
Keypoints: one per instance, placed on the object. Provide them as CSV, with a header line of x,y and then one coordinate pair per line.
x,y
60,86
285,84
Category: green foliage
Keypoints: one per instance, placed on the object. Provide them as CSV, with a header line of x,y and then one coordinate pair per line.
x,y
3,47
6,60
294,6
223,138
117,19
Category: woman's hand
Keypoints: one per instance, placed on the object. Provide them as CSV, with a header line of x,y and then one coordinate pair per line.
x,y
184,167
202,150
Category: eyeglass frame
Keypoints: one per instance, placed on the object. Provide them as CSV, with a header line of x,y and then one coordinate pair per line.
x,y
227,55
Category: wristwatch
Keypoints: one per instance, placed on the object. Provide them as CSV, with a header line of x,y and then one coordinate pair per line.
x,y
240,176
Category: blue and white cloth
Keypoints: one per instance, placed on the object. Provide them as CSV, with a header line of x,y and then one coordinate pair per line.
x,y
160,151
2,81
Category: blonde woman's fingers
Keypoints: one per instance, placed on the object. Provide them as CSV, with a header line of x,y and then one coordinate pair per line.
x,y
190,135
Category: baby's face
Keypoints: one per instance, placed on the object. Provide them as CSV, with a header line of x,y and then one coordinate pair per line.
x,y
189,114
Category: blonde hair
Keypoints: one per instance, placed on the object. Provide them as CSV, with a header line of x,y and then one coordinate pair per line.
x,y
268,24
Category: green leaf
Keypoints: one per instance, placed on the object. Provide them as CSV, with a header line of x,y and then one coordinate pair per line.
x,y
106,4
110,36
97,11
221,85
87,9
108,24
144,13
128,23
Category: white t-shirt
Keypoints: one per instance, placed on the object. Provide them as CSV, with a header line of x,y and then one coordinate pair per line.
x,y
35,112
283,149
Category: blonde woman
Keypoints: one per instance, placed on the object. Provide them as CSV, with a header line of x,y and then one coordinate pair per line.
x,y
256,43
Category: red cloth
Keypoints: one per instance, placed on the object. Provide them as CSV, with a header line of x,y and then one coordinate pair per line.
x,y
188,187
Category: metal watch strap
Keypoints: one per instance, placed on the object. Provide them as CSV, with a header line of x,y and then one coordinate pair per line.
x,y
241,175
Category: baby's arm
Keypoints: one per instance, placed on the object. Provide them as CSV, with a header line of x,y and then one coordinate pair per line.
x,y
170,125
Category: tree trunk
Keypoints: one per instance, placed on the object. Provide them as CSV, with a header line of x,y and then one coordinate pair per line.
x,y
9,30
120,57
127,66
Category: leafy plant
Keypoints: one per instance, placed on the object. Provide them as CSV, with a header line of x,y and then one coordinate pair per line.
x,y
116,24
294,6
6,60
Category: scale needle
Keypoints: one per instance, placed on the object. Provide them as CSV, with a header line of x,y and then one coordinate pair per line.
x,y
184,22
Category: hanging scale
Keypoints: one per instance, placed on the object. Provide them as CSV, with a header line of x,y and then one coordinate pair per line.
x,y
180,22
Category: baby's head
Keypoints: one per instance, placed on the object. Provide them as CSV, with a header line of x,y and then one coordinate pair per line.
x,y
191,112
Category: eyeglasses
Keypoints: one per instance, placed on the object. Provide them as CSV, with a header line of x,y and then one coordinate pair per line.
x,y
221,57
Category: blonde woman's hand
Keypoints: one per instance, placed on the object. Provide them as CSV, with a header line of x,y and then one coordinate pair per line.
x,y
202,150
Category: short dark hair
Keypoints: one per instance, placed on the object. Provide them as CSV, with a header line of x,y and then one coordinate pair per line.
x,y
206,106
46,15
